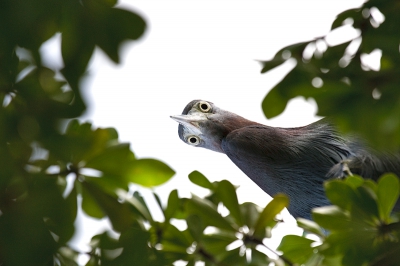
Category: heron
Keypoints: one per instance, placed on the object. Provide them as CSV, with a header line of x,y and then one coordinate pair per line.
x,y
294,161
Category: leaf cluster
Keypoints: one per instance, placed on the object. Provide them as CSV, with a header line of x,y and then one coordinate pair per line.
x,y
358,229
47,167
218,230
358,97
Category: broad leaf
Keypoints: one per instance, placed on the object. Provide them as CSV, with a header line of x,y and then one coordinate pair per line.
x,y
227,193
199,179
150,172
277,204
208,213
296,248
388,194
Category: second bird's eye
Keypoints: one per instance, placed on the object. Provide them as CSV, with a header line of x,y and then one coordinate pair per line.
x,y
204,106
193,140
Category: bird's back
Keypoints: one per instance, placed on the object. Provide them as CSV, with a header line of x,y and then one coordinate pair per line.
x,y
296,161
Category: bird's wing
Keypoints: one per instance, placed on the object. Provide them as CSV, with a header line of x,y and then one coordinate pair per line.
x,y
316,143
291,161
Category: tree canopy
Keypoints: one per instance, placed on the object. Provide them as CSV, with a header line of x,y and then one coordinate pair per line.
x,y
50,162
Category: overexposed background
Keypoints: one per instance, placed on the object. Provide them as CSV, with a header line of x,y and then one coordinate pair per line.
x,y
199,50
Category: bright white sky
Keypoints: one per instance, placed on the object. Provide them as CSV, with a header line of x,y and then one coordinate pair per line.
x,y
201,50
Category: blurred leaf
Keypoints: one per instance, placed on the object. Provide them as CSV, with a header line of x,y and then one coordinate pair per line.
x,y
349,85
268,65
354,13
173,204
119,25
367,202
67,256
310,226
232,257
176,240
119,214
158,200
195,227
135,247
296,248
138,204
227,193
354,181
276,205
89,204
199,179
259,258
339,193
388,194
150,172
81,143
250,214
115,159
331,218
216,243
207,213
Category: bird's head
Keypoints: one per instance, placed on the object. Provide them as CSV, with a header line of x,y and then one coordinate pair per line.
x,y
202,124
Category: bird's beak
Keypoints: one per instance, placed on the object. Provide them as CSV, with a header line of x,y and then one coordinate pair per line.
x,y
189,121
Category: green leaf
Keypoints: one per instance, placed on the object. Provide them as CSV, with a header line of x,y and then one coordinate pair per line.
x,y
340,193
367,203
351,13
310,226
135,247
137,202
176,239
81,143
354,181
158,200
227,193
388,194
331,218
297,82
89,204
208,213
250,214
114,160
274,103
296,248
259,258
268,65
173,205
216,243
119,25
232,257
119,214
277,204
195,226
150,172
199,179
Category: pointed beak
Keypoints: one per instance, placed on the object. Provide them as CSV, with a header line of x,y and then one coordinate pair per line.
x,y
189,121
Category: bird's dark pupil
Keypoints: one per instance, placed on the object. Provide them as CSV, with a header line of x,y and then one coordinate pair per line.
x,y
192,140
204,106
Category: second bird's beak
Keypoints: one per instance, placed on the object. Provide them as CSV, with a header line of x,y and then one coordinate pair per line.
x,y
191,122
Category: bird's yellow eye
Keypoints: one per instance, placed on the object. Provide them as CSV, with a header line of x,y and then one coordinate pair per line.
x,y
204,106
193,140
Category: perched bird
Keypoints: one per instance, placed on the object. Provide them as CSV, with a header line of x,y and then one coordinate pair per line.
x,y
294,161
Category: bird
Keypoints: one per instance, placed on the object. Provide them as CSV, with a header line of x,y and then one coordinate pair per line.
x,y
295,161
